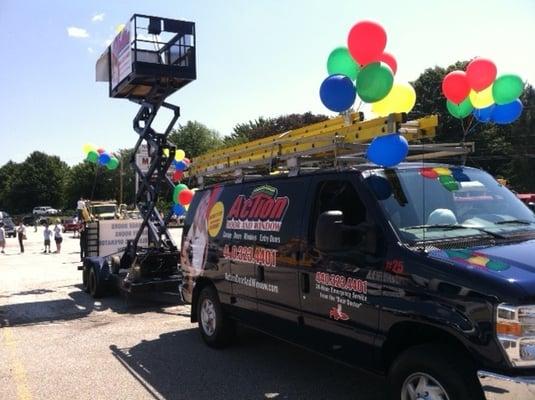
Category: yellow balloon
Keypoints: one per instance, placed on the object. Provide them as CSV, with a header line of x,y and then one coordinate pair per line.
x,y
401,98
166,152
87,147
180,155
442,171
482,99
119,28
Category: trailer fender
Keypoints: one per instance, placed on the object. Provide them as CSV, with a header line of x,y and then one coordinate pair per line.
x,y
101,267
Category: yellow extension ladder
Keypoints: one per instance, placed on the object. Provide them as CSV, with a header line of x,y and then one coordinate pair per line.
x,y
337,140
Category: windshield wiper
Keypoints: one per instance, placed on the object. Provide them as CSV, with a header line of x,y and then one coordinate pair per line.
x,y
514,221
451,227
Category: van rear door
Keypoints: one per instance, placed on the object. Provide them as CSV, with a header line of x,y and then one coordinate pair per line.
x,y
275,242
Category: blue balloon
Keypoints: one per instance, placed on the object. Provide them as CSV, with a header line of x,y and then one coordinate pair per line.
x,y
380,186
337,93
459,175
104,158
483,114
388,150
507,113
178,209
180,165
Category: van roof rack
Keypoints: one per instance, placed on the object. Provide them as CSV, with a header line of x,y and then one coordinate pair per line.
x,y
338,141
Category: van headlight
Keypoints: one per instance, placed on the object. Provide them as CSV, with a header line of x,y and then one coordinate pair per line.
x,y
515,328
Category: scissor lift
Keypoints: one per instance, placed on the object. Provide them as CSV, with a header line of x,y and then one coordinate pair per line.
x,y
150,59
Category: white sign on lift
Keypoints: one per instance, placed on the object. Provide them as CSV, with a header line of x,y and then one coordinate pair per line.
x,y
114,233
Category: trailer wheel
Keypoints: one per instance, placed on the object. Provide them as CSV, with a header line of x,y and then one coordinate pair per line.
x,y
85,280
433,371
96,289
216,328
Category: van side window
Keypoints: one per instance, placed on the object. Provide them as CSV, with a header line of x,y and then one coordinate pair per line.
x,y
338,195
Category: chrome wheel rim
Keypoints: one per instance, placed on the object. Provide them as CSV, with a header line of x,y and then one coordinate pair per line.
x,y
208,315
421,386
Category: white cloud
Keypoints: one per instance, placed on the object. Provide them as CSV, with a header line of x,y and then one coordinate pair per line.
x,y
90,49
98,17
75,32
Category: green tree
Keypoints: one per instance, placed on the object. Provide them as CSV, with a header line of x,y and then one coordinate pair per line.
x,y
39,180
263,127
96,182
195,138
7,171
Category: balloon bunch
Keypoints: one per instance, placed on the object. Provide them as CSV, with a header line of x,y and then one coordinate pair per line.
x,y
448,177
181,163
182,196
99,156
478,92
365,62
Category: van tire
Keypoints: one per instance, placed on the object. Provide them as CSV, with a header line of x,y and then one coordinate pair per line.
x,y
446,366
217,330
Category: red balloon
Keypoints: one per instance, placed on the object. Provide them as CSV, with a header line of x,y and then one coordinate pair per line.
x,y
100,150
480,72
389,60
366,41
455,86
185,196
429,173
177,175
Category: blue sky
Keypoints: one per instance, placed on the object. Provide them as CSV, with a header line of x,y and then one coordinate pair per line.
x,y
254,58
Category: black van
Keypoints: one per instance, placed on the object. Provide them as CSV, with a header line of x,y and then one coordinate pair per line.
x,y
425,273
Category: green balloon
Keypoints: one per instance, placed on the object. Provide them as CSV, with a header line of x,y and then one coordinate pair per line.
x,y
497,265
507,88
341,62
449,182
178,188
461,110
92,156
374,82
112,164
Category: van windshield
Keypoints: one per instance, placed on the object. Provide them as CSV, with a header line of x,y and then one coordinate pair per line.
x,y
442,202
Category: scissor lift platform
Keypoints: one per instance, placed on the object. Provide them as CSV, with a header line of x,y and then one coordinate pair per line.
x,y
151,58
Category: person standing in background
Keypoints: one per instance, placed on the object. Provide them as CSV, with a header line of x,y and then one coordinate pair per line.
x,y
2,237
21,234
58,238
80,205
47,233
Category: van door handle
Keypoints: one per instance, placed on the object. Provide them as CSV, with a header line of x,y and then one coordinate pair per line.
x,y
259,273
305,282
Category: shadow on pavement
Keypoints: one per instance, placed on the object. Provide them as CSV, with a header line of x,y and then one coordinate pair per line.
x,y
178,365
79,305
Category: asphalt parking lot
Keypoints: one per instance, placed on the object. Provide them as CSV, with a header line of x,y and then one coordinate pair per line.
x,y
56,342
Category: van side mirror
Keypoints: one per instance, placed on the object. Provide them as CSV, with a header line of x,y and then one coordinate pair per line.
x,y
329,231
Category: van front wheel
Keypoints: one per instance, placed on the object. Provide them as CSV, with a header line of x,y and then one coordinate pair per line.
x,y
432,372
216,328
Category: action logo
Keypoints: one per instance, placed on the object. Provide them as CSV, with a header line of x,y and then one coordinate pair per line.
x,y
262,211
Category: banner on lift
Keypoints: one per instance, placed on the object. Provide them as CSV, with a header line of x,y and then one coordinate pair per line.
x,y
121,56
114,233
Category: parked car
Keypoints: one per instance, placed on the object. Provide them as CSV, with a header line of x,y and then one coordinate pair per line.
x,y
429,281
72,225
3,215
45,210
9,227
